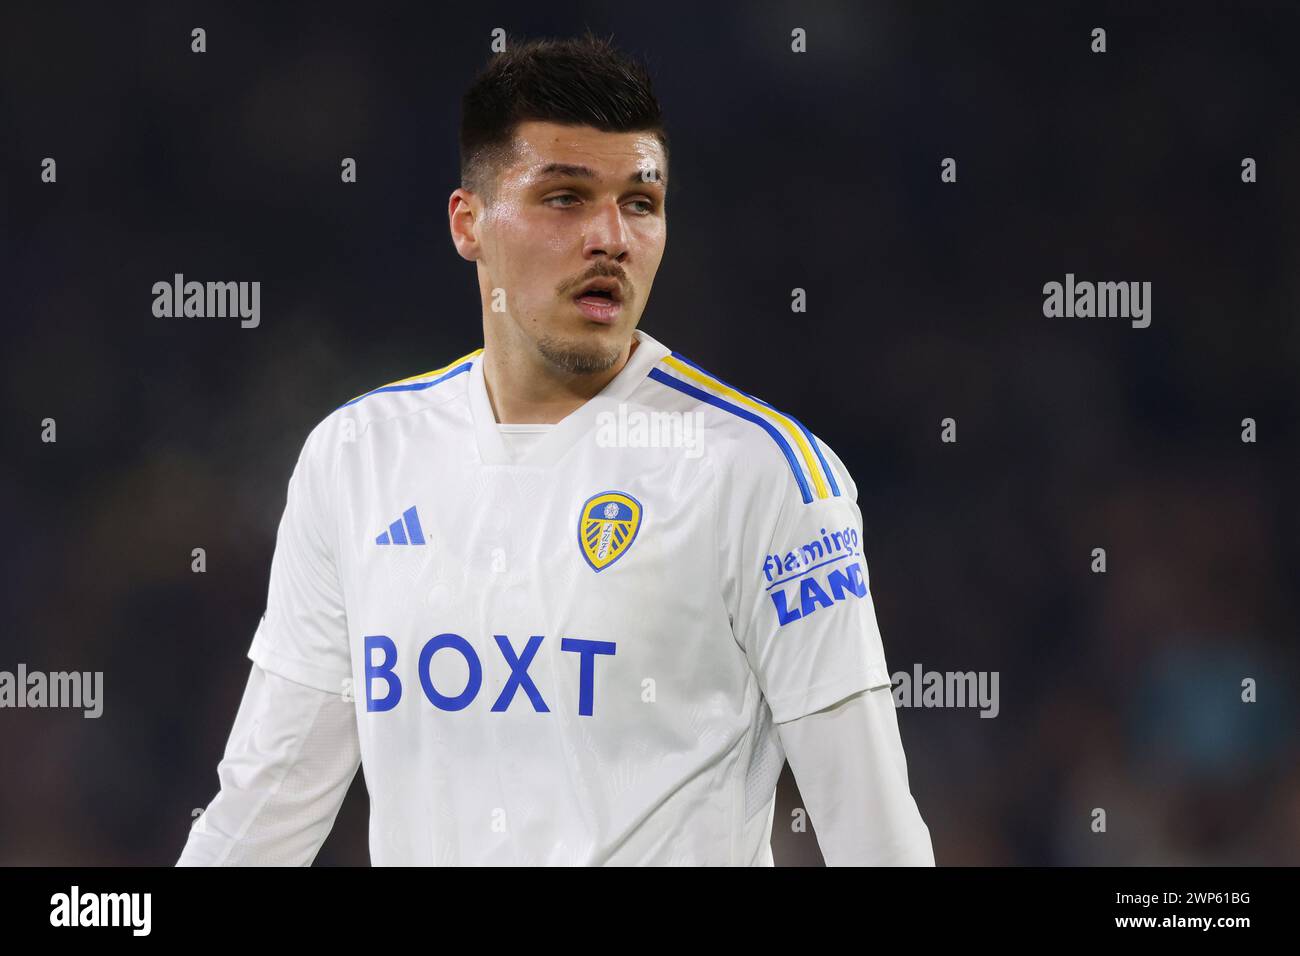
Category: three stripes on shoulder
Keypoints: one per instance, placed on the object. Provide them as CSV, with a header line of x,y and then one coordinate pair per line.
x,y
801,450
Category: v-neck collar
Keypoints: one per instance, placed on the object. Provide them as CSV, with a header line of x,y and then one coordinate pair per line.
x,y
550,447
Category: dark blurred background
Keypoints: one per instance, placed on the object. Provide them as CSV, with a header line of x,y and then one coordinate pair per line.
x,y
821,171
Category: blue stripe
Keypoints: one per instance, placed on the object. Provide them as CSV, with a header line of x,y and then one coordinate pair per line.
x,y
661,376
826,468
413,525
817,450
413,386
397,532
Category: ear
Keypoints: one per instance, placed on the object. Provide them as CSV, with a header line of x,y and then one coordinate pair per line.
x,y
463,214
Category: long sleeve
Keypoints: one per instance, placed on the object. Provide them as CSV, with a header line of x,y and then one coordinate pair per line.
x,y
848,761
291,756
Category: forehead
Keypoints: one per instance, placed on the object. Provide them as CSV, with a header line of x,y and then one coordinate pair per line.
x,y
614,156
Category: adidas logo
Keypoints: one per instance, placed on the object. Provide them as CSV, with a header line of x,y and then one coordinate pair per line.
x,y
405,530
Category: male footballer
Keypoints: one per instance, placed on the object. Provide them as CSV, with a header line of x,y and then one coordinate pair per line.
x,y
569,598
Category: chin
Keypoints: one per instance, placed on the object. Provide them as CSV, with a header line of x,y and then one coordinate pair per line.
x,y
585,354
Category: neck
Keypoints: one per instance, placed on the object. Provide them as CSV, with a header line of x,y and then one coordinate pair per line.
x,y
523,388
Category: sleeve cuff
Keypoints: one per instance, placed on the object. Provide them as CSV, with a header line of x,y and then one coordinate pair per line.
x,y
302,672
787,707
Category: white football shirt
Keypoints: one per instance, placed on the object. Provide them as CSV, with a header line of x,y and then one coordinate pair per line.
x,y
572,649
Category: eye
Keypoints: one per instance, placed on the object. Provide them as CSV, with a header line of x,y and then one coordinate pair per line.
x,y
561,196
649,205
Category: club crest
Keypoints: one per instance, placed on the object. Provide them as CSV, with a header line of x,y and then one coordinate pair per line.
x,y
607,526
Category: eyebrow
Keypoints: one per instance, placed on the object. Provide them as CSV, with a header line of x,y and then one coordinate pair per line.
x,y
570,170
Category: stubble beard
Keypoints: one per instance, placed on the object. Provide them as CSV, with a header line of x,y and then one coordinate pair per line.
x,y
578,359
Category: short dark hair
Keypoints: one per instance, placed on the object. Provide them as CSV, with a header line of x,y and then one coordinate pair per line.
x,y
583,81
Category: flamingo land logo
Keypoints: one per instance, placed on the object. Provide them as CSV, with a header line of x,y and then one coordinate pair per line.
x,y
607,526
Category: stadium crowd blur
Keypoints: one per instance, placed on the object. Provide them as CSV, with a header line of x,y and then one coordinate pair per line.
x,y
1120,691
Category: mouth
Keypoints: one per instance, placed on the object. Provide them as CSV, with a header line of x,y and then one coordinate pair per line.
x,y
600,300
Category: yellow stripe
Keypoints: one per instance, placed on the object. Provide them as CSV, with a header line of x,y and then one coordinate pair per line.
x,y
437,371
801,443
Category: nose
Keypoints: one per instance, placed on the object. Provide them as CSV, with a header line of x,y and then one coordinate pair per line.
x,y
606,234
